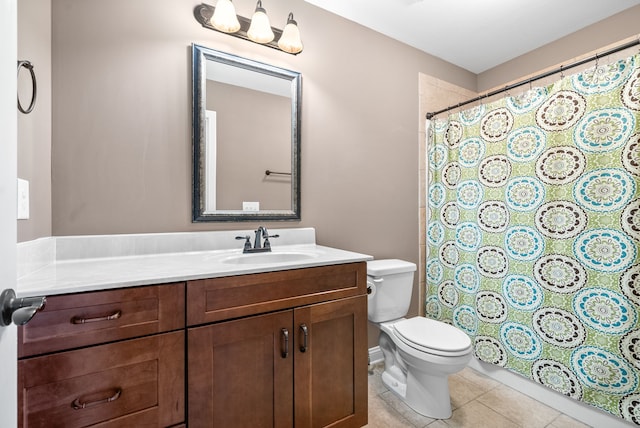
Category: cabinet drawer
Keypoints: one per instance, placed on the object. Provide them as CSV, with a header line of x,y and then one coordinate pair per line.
x,y
138,382
230,297
75,320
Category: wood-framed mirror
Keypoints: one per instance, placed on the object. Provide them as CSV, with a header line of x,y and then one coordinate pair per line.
x,y
246,139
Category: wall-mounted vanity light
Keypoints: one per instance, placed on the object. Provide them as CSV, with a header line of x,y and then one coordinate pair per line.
x,y
258,29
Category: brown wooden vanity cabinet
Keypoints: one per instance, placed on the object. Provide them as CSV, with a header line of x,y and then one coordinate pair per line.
x,y
302,364
277,349
109,358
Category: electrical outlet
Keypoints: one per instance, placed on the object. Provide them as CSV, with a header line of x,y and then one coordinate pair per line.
x,y
251,206
23,199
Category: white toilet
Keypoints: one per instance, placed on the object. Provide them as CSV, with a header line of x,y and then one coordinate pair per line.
x,y
419,353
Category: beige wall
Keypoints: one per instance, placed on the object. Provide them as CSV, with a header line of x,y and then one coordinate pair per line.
x,y
122,124
593,38
34,129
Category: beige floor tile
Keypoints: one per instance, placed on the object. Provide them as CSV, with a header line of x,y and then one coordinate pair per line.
x,y
463,390
477,415
478,402
438,424
415,418
382,415
375,383
518,407
564,421
484,382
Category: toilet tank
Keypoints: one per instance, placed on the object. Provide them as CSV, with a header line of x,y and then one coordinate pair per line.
x,y
390,284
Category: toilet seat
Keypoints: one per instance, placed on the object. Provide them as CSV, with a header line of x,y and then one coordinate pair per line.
x,y
433,337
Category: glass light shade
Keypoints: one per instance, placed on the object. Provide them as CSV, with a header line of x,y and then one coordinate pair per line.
x,y
290,40
224,17
260,28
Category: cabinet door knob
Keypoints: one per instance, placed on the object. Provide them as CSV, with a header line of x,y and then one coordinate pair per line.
x,y
305,336
285,336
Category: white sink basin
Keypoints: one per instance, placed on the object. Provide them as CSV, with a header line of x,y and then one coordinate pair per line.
x,y
268,258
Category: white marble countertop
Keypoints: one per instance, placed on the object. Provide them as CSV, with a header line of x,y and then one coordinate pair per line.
x,y
72,273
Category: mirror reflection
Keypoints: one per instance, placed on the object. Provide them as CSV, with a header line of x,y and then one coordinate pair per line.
x,y
246,139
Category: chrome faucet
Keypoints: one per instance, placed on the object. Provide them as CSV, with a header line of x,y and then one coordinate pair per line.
x,y
258,245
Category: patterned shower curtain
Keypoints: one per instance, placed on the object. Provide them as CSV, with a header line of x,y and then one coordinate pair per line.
x,y
533,233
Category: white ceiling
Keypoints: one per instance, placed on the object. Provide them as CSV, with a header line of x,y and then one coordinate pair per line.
x,y
475,34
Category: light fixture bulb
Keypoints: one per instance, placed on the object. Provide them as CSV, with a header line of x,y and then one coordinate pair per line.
x,y
290,40
260,28
224,17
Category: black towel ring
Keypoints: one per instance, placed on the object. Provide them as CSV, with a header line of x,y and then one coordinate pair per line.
x,y
34,87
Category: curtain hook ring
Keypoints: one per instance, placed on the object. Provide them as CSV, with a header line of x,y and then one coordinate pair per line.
x,y
561,72
595,67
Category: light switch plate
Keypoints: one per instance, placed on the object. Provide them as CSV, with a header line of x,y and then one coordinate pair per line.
x,y
23,199
251,206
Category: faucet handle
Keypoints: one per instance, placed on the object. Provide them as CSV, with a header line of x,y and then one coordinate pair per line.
x,y
267,244
247,242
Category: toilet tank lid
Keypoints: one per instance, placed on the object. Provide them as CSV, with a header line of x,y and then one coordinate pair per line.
x,y
389,267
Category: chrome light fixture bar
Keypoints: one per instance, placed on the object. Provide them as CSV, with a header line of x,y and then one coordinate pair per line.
x,y
290,43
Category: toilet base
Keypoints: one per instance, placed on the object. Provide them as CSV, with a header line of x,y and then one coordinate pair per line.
x,y
394,385
429,395
433,402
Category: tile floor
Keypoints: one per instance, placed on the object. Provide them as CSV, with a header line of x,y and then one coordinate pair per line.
x,y
477,402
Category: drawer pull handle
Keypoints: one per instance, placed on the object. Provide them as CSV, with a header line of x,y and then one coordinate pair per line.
x,y
305,336
82,320
78,405
285,336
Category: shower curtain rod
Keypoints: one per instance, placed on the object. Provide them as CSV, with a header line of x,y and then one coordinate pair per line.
x,y
538,77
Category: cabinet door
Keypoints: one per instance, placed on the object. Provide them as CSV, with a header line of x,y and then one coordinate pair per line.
x,y
330,379
240,372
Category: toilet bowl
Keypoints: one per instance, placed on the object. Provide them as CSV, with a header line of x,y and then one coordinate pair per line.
x,y
419,353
